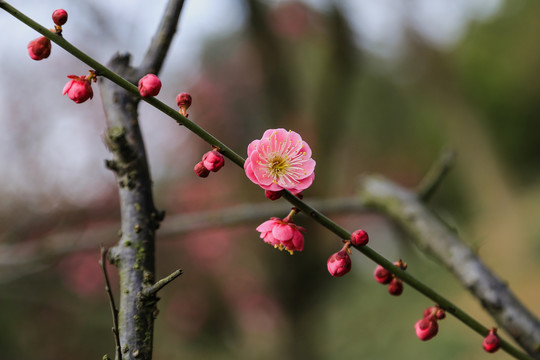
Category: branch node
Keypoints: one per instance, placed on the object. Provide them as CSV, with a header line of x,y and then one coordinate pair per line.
x,y
152,290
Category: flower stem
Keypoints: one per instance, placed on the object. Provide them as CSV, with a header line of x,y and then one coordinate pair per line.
x,y
424,289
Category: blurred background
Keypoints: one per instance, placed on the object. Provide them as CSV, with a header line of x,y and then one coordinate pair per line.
x,y
374,86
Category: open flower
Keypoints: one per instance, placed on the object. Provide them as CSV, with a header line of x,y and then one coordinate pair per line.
x,y
280,160
282,234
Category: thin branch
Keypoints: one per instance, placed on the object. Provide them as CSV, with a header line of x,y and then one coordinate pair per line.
x,y
114,310
435,176
153,290
159,46
433,237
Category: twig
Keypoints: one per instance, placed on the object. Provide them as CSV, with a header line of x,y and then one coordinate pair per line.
x,y
114,310
434,237
435,175
152,290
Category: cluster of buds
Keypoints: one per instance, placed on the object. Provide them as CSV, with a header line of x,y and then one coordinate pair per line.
x,y
40,48
339,263
283,234
383,276
427,327
211,161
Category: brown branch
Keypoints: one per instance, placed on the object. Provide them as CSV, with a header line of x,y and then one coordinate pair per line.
x,y
114,309
24,258
434,237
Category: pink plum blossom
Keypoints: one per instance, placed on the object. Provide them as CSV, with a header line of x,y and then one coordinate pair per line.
x,y
149,85
339,263
282,234
426,328
78,89
213,160
280,160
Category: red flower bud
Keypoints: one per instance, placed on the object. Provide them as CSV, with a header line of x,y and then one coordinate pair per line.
x,y
200,170
183,100
272,195
426,328
491,342
78,89
339,263
395,287
60,17
213,160
149,85
435,311
359,238
39,48
382,275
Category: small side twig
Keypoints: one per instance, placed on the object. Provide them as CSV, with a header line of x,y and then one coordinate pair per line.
x,y
114,309
152,290
435,175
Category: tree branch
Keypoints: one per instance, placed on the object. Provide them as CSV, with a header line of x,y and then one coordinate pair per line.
x,y
432,236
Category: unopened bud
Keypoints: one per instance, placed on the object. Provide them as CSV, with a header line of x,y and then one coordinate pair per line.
x,y
149,85
200,170
339,263
60,17
78,89
395,287
359,238
213,160
39,48
426,328
272,195
382,275
491,342
183,100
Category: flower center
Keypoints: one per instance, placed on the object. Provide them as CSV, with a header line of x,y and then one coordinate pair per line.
x,y
278,166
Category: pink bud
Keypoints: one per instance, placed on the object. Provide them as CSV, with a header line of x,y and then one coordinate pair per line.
x,y
149,85
426,328
78,89
200,170
435,311
39,48
491,342
339,263
382,275
213,160
272,195
359,238
183,100
395,287
60,17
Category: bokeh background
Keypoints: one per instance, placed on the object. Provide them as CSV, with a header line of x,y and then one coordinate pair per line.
x,y
374,86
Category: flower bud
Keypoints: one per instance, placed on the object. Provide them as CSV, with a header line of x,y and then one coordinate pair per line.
x,y
491,342
60,17
359,238
395,287
149,85
183,100
426,328
213,160
272,195
78,89
39,48
382,275
200,170
435,311
339,263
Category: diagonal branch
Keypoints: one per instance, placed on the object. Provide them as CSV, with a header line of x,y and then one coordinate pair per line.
x,y
434,237
156,53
